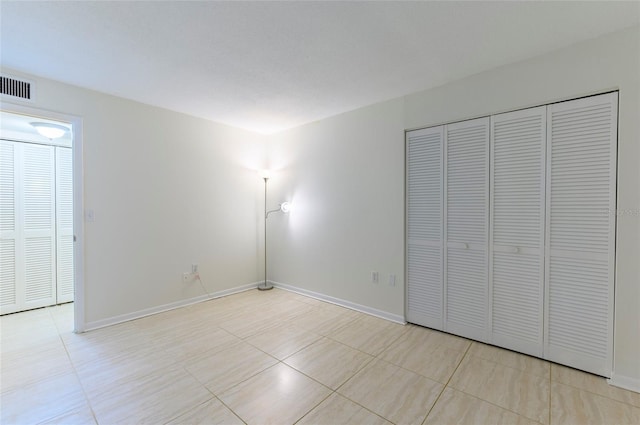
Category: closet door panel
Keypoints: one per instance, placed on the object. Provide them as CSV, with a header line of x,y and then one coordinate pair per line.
x,y
8,229
466,292
39,225
466,228
516,260
424,227
581,188
64,225
27,228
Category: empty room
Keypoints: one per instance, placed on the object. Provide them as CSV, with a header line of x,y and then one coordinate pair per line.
x,y
319,212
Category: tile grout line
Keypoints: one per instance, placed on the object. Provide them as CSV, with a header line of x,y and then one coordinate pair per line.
x,y
228,407
315,406
75,372
487,401
444,387
567,384
372,360
332,391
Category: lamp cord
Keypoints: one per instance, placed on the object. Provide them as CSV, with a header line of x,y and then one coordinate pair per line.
x,y
196,276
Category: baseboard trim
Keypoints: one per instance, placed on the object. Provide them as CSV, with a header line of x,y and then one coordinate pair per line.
x,y
625,382
90,326
342,303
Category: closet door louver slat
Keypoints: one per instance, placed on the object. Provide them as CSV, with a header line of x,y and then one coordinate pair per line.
x,y
424,227
516,259
466,228
581,180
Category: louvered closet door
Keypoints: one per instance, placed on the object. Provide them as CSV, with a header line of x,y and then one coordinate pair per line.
x,y
32,243
516,258
581,187
39,225
424,227
467,228
8,229
64,225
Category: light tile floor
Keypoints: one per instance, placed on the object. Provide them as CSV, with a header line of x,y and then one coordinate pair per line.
x,y
280,358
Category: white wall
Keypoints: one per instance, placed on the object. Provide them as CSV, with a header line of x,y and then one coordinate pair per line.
x,y
167,190
346,177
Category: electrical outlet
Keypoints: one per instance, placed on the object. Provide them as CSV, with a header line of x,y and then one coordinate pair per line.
x,y
194,268
185,277
374,277
392,280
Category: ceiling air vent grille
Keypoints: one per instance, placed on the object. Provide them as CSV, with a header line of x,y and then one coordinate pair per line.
x,y
14,87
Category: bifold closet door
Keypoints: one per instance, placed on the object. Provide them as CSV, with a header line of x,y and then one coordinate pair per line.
x,y
28,226
64,225
516,259
580,240
8,229
467,228
424,149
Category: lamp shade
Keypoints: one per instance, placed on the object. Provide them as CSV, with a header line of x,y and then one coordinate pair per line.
x,y
49,130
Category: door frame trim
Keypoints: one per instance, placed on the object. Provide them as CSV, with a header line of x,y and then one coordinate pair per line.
x,y
78,200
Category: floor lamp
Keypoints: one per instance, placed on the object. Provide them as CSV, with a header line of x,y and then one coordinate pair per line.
x,y
284,207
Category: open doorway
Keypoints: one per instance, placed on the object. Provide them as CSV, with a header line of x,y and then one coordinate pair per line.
x,y
38,224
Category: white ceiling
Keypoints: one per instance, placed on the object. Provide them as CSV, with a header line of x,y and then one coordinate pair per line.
x,y
268,66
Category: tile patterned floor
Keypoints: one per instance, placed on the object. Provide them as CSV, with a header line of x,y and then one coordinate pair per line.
x,y
280,358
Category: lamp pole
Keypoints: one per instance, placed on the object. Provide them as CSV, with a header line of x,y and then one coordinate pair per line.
x,y
265,286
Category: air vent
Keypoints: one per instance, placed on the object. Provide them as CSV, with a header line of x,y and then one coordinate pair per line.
x,y
20,89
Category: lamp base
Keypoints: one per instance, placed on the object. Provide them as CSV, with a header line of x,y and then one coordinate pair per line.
x,y
265,287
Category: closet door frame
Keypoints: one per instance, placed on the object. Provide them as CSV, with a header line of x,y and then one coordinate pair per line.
x,y
76,123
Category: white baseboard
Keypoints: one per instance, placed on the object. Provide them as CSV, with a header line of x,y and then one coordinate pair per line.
x,y
626,382
89,326
342,303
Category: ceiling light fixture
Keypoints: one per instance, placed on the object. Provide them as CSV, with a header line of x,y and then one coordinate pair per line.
x,y
49,130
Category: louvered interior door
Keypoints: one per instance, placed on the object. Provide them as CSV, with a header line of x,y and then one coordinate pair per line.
x,y
31,243
8,229
424,149
516,257
580,251
467,228
64,225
